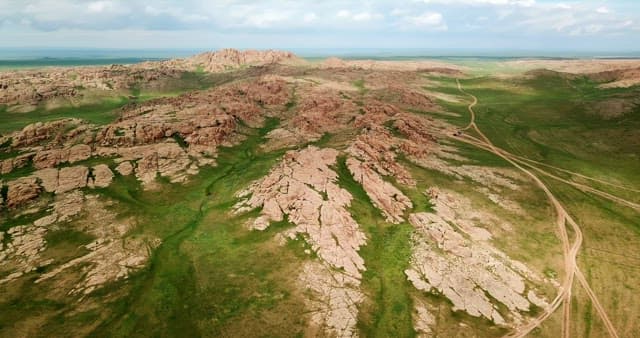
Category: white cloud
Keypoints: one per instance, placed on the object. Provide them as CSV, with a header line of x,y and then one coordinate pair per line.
x,y
309,17
490,20
430,20
99,6
399,12
265,19
343,14
524,3
359,16
174,12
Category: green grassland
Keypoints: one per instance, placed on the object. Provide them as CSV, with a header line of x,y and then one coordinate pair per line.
x,y
549,117
212,277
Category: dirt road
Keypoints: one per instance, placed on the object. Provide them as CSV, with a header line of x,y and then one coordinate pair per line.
x,y
570,250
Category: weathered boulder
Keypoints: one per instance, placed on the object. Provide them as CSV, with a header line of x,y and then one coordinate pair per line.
x,y
78,152
21,191
102,176
72,178
48,178
125,168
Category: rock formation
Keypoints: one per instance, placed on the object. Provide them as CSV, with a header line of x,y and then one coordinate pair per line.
x,y
466,270
303,187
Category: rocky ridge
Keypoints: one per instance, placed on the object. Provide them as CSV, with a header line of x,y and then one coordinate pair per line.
x,y
303,187
453,257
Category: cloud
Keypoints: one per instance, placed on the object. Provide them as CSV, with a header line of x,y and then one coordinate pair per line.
x,y
524,3
359,16
429,20
309,17
100,6
346,22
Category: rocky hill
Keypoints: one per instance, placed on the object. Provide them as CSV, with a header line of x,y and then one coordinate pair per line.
x,y
318,199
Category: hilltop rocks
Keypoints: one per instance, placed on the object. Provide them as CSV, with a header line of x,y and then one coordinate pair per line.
x,y
32,87
376,148
322,111
408,66
41,131
226,59
167,159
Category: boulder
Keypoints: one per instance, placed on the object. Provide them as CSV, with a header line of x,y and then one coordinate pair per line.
x,y
72,178
102,176
21,191
125,168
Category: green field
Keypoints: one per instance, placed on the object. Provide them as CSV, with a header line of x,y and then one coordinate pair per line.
x,y
210,276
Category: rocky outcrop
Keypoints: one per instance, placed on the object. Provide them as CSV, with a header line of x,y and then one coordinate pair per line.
x,y
376,148
125,168
333,302
303,188
111,256
22,254
322,111
71,178
51,158
39,132
472,274
387,198
101,176
33,87
20,161
48,178
21,191
227,59
408,66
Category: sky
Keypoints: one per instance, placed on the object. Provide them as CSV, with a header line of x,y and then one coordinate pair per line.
x,y
597,25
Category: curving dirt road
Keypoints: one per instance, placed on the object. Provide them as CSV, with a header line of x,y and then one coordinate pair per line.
x,y
570,250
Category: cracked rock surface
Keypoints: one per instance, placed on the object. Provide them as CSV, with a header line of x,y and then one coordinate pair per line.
x,y
303,187
471,273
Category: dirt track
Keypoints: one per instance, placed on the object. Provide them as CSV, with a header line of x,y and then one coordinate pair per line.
x,y
570,250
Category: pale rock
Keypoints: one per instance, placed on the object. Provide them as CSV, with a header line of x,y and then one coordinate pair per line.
x,y
465,271
71,178
295,187
387,198
102,176
48,179
125,168
21,191
336,296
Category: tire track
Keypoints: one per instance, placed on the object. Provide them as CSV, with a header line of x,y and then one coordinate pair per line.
x,y
570,251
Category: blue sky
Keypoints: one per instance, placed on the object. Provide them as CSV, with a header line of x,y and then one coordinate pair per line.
x,y
597,25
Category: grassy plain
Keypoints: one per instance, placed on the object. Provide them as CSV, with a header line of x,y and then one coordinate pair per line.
x,y
551,118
